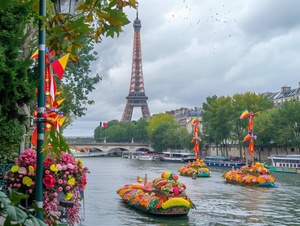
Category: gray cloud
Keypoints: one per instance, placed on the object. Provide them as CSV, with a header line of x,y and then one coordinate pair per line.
x,y
193,49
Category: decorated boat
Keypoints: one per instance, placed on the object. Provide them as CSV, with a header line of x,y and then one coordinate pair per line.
x,y
165,195
254,175
197,168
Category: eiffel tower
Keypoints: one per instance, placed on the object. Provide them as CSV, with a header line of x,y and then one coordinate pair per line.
x,y
136,96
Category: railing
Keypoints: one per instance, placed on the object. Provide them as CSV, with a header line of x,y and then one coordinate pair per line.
x,y
3,169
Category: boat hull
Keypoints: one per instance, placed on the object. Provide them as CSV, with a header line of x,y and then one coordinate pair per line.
x,y
270,184
174,211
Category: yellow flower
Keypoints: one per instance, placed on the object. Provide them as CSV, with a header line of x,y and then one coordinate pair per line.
x,y
31,169
14,169
79,161
53,168
71,181
69,196
27,181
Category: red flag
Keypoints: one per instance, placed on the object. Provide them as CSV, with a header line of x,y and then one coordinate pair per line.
x,y
34,137
59,65
248,137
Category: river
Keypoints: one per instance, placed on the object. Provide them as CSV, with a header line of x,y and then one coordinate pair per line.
x,y
218,203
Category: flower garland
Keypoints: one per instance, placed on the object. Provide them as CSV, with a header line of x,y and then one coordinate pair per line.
x,y
63,178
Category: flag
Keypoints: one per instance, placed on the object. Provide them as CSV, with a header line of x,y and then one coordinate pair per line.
x,y
52,86
251,146
34,137
250,125
247,137
245,114
59,65
35,54
103,124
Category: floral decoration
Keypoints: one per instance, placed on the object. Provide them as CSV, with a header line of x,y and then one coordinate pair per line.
x,y
255,174
64,176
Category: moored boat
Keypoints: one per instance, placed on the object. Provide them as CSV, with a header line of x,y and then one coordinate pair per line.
x,y
197,168
149,157
223,161
285,163
178,156
165,195
254,175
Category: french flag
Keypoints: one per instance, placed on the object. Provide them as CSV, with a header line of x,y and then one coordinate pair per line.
x,y
103,124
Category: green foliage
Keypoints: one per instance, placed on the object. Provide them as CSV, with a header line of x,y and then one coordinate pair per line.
x,y
14,213
54,144
11,134
156,120
221,116
16,83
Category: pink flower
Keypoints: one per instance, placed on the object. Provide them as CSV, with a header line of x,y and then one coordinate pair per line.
x,y
59,167
49,181
70,166
60,181
22,170
67,188
60,188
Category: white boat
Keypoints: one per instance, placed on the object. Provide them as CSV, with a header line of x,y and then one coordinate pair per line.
x,y
285,163
178,156
149,157
87,154
131,154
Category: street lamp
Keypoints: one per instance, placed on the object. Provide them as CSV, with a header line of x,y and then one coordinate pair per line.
x,y
64,6
67,6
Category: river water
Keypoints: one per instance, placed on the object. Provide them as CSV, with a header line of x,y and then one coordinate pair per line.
x,y
218,203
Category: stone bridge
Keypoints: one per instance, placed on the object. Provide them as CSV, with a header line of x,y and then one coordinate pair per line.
x,y
112,147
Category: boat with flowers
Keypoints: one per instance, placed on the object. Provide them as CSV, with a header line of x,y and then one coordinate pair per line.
x,y
197,168
164,195
254,175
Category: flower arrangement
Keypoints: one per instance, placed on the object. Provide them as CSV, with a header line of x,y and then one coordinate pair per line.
x,y
255,174
163,195
63,177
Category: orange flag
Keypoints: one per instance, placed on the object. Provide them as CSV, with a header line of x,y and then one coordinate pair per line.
x,y
34,137
251,146
59,65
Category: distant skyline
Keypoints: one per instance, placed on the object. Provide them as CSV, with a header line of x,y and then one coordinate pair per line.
x,y
194,49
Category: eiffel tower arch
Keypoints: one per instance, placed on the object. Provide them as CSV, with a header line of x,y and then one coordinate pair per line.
x,y
137,96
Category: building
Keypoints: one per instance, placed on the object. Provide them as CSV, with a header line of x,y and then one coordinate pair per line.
x,y
285,94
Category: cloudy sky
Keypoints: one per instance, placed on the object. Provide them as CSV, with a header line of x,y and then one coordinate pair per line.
x,y
193,49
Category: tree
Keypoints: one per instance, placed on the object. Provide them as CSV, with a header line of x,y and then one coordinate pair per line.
x,y
158,119
18,39
161,138
17,84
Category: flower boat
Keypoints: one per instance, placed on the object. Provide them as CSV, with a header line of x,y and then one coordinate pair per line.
x,y
197,168
254,175
162,196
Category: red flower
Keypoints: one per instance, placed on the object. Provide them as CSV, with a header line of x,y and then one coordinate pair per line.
x,y
49,181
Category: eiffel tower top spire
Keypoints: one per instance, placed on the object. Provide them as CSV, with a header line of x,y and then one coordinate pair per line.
x,y
137,23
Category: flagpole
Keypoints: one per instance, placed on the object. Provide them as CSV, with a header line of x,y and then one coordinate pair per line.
x,y
41,105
